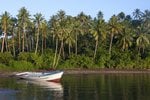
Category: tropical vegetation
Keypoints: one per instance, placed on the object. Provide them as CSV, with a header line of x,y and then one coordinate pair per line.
x,y
31,42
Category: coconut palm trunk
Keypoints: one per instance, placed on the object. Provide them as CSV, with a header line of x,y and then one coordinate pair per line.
x,y
42,45
38,20
19,41
76,45
5,20
37,40
60,50
96,46
13,42
23,39
69,49
55,57
111,40
3,42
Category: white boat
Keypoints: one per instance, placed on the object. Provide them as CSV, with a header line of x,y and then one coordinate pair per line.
x,y
51,76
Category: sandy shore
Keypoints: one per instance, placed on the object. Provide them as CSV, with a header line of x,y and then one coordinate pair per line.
x,y
86,71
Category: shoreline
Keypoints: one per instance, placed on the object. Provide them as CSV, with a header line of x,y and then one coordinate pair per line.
x,y
106,71
89,71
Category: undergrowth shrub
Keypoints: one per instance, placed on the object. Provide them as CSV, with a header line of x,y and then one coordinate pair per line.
x,y
22,65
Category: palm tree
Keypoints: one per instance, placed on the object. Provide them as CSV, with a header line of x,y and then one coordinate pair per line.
x,y
69,33
38,21
82,26
13,30
121,16
125,39
128,18
114,28
57,26
146,21
146,15
137,14
99,31
30,41
76,31
54,30
23,19
44,34
100,15
5,21
61,32
142,40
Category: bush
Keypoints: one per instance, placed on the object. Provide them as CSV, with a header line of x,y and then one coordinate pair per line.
x,y
2,66
22,65
5,58
77,61
24,56
102,58
121,60
147,60
36,60
33,58
48,57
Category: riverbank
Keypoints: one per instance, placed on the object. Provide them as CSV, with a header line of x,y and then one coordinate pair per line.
x,y
105,71
89,71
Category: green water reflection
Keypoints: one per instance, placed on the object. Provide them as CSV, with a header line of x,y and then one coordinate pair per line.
x,y
107,87
79,87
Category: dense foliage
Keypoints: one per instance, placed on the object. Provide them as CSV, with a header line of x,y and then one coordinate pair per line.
x,y
31,42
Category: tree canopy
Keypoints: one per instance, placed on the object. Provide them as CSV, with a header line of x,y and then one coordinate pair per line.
x,y
80,41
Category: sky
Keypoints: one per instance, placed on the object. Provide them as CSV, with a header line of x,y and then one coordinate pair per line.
x,y
74,7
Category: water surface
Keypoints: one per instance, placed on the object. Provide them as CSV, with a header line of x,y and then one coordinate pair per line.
x,y
79,87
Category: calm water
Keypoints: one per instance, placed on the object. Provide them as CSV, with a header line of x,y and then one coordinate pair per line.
x,y
79,87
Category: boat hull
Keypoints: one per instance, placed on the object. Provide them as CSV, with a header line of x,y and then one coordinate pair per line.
x,y
52,76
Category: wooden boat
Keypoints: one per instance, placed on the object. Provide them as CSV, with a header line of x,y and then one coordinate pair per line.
x,y
51,76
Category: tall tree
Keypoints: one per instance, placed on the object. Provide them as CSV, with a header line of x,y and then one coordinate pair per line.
x,y
69,33
114,28
100,15
146,15
61,34
44,34
121,16
128,18
142,40
38,21
54,26
83,26
5,21
125,39
13,30
76,31
23,19
57,23
30,41
98,31
137,14
146,21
